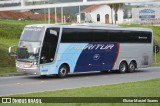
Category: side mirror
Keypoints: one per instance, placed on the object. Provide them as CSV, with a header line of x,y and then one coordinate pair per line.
x,y
12,50
36,51
156,49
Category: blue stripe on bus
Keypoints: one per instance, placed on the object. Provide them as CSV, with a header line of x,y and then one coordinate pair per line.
x,y
69,53
97,56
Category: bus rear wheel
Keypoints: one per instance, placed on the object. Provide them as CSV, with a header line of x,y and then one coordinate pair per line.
x,y
131,67
63,71
123,67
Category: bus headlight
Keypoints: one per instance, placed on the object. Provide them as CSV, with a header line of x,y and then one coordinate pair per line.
x,y
34,63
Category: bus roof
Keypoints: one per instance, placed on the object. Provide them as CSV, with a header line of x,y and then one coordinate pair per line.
x,y
91,26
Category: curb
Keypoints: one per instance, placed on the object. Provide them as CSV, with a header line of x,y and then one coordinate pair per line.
x,y
10,75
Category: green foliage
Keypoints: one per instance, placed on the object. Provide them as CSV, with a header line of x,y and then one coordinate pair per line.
x,y
7,70
6,61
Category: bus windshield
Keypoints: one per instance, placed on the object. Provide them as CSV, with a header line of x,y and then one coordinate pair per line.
x,y
32,34
28,51
30,42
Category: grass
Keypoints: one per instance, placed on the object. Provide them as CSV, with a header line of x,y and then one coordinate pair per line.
x,y
156,62
148,88
8,42
7,61
8,70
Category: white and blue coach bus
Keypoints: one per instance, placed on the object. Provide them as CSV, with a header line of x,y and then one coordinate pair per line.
x,y
61,49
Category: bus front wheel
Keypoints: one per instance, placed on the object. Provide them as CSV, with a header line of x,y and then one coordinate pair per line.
x,y
63,71
123,67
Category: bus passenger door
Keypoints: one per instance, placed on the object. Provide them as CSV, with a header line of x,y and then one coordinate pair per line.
x,y
49,45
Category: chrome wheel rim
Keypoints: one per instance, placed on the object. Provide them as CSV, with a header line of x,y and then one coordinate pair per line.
x,y
123,67
131,67
63,71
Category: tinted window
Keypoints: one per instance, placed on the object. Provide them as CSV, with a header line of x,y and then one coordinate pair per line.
x,y
98,35
136,37
77,35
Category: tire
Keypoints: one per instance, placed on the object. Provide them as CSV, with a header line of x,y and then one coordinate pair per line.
x,y
63,71
123,67
131,67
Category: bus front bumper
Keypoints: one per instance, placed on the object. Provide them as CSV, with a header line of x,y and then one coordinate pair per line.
x,y
28,70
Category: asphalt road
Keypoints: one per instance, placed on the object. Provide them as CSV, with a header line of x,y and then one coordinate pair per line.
x,y
27,84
